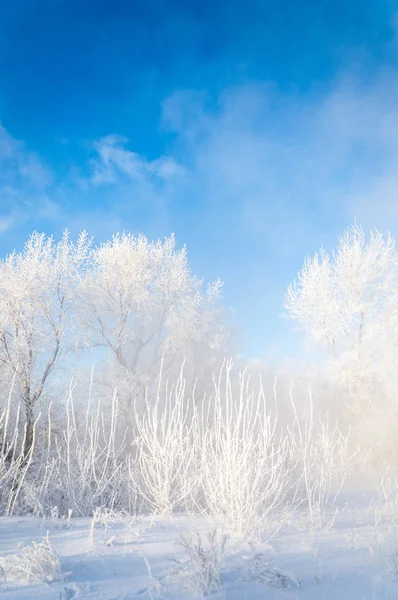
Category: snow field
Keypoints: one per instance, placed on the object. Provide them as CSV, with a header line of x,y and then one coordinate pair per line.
x,y
188,557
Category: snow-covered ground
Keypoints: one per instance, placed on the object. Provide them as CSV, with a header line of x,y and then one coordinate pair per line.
x,y
356,559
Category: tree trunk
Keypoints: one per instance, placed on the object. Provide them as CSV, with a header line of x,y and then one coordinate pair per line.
x,y
29,428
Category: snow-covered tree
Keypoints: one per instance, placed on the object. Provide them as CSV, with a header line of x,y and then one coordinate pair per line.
x,y
140,301
37,301
347,301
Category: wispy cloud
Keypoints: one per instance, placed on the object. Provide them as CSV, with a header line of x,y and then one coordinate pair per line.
x,y
20,167
120,187
7,222
114,182
114,161
294,167
24,181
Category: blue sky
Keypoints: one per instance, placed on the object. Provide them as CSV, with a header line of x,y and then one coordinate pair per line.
x,y
255,131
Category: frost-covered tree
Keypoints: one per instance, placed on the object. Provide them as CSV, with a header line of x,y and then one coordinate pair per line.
x,y
347,301
140,301
37,301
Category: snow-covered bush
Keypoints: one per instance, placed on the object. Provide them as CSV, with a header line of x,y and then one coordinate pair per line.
x,y
201,572
244,457
391,556
388,492
322,462
37,563
91,459
225,454
167,444
261,568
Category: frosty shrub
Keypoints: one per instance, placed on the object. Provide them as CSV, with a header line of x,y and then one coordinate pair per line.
x,y
167,449
244,458
201,572
261,568
391,556
90,458
388,492
226,455
37,563
322,461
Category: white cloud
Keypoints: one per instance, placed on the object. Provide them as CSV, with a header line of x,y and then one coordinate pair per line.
x,y
113,161
114,183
